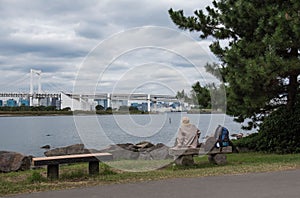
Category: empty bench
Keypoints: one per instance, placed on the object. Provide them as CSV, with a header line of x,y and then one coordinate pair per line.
x,y
53,162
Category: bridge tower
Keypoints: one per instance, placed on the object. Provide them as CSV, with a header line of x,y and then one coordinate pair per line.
x,y
33,74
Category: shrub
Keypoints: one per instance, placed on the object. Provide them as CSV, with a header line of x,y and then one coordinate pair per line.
x,y
249,142
36,177
279,133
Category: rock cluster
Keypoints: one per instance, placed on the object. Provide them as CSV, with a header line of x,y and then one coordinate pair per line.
x,y
140,151
13,161
68,150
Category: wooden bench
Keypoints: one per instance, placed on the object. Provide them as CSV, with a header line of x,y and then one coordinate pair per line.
x,y
184,156
53,162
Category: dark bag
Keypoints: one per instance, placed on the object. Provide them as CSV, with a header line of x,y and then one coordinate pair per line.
x,y
223,139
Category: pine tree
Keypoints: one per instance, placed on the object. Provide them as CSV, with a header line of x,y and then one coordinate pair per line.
x,y
260,64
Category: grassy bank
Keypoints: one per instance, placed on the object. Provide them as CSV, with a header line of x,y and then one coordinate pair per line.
x,y
73,176
56,113
34,113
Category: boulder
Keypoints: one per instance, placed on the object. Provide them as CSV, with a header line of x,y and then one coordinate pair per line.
x,y
144,145
127,146
145,156
219,159
160,153
122,152
185,160
141,151
13,161
46,147
127,151
68,150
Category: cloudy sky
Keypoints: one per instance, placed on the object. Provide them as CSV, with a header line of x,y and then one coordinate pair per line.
x,y
129,46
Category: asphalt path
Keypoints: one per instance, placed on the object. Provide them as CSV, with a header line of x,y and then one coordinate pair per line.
x,y
283,184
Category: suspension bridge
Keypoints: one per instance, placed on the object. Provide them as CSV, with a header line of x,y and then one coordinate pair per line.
x,y
76,101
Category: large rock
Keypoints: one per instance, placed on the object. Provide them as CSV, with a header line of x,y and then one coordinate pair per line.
x,y
12,161
141,151
219,159
120,152
68,150
127,151
160,153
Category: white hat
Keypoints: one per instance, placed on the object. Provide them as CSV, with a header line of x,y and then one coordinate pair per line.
x,y
185,120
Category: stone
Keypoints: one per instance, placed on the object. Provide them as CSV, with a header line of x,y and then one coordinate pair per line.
x,y
144,156
219,159
160,153
184,160
128,151
144,145
46,147
141,151
13,161
68,150
121,152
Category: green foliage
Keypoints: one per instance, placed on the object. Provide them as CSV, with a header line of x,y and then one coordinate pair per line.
x,y
249,142
260,65
132,108
29,108
182,96
66,109
106,170
36,177
201,96
278,133
108,110
74,174
99,108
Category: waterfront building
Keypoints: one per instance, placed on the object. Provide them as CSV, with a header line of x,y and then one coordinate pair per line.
x,y
116,104
24,102
45,102
55,102
11,103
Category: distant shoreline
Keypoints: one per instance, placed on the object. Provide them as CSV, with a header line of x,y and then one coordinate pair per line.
x,y
70,113
33,113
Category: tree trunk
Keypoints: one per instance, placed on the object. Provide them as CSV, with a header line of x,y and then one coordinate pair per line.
x,y
293,83
292,91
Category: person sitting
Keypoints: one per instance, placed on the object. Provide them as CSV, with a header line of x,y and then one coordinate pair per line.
x,y
188,134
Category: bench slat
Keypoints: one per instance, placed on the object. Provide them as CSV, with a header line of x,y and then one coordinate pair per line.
x,y
66,159
198,151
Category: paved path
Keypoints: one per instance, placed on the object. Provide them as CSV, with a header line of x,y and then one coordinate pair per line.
x,y
285,184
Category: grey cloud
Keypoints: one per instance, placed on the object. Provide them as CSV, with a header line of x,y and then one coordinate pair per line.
x,y
55,36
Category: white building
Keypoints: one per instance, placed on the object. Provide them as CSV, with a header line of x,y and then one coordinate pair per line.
x,y
78,104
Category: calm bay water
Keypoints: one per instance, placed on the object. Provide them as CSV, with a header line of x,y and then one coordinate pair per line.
x,y
27,134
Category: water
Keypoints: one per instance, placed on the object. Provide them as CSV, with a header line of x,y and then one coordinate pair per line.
x,y
27,134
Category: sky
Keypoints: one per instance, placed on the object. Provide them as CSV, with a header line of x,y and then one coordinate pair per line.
x,y
124,46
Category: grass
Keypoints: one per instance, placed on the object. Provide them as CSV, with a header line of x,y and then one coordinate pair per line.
x,y
74,176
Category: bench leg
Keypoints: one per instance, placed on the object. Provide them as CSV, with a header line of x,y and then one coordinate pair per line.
x,y
93,168
52,171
